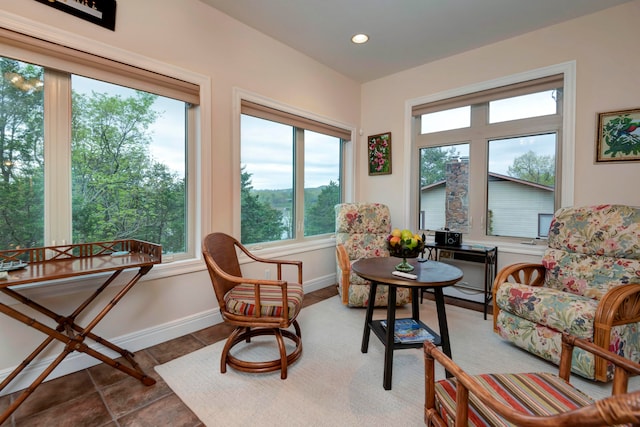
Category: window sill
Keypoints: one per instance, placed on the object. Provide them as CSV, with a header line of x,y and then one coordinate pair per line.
x,y
518,248
288,249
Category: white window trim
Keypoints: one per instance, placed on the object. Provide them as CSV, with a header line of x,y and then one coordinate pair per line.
x,y
568,69
202,185
348,172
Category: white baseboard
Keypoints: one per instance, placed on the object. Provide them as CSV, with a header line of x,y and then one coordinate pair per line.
x,y
319,283
133,342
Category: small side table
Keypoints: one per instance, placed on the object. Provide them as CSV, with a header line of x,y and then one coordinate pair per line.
x,y
432,274
472,253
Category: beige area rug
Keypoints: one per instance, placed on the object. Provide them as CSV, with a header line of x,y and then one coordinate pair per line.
x,y
333,383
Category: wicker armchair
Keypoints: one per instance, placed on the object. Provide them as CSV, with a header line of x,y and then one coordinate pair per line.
x,y
587,285
531,399
255,306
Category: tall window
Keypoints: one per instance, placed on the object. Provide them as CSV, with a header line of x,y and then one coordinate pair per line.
x,y
87,154
128,165
489,162
291,174
21,155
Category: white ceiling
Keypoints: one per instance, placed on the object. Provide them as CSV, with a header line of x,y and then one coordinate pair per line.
x,y
403,33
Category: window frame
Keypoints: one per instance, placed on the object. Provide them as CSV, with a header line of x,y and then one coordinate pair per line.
x,y
566,151
199,128
347,183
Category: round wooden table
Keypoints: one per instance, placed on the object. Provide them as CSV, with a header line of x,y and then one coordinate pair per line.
x,y
431,274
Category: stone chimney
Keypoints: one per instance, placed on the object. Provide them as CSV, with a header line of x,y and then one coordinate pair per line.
x,y
457,194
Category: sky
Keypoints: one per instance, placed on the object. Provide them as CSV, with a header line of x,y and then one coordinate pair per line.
x,y
267,154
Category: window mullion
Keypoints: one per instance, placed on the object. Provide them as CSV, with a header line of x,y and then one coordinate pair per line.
x,y
193,140
478,171
57,157
523,127
298,171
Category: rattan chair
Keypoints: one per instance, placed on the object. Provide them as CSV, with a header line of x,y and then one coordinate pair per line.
x,y
532,399
255,306
361,232
587,284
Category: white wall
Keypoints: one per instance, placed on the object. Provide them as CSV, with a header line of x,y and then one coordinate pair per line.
x,y
194,37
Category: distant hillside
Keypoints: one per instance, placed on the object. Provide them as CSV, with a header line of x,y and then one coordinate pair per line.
x,y
281,199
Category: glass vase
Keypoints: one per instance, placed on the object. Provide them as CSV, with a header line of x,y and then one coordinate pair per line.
x,y
404,266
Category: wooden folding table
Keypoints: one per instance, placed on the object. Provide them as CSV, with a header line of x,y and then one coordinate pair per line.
x,y
38,265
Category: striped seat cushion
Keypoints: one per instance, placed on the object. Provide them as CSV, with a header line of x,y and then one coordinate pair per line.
x,y
241,300
533,394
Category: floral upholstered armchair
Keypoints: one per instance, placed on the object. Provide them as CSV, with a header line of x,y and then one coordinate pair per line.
x,y
361,232
587,285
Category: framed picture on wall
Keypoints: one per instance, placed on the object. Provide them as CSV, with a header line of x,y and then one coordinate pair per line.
x,y
100,12
618,137
379,148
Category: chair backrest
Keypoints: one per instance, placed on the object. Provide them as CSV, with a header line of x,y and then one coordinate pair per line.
x,y
363,228
220,255
593,248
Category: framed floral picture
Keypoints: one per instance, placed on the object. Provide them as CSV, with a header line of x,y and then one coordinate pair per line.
x,y
618,138
379,154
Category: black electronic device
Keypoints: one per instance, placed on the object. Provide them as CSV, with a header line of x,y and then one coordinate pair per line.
x,y
448,238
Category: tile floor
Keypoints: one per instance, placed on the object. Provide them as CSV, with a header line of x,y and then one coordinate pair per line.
x,y
104,397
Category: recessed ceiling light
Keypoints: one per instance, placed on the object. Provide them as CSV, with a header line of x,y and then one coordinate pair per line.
x,y
360,38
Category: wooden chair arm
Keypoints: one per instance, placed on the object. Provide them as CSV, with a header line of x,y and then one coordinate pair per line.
x,y
526,273
617,409
624,368
344,263
619,306
278,262
257,283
